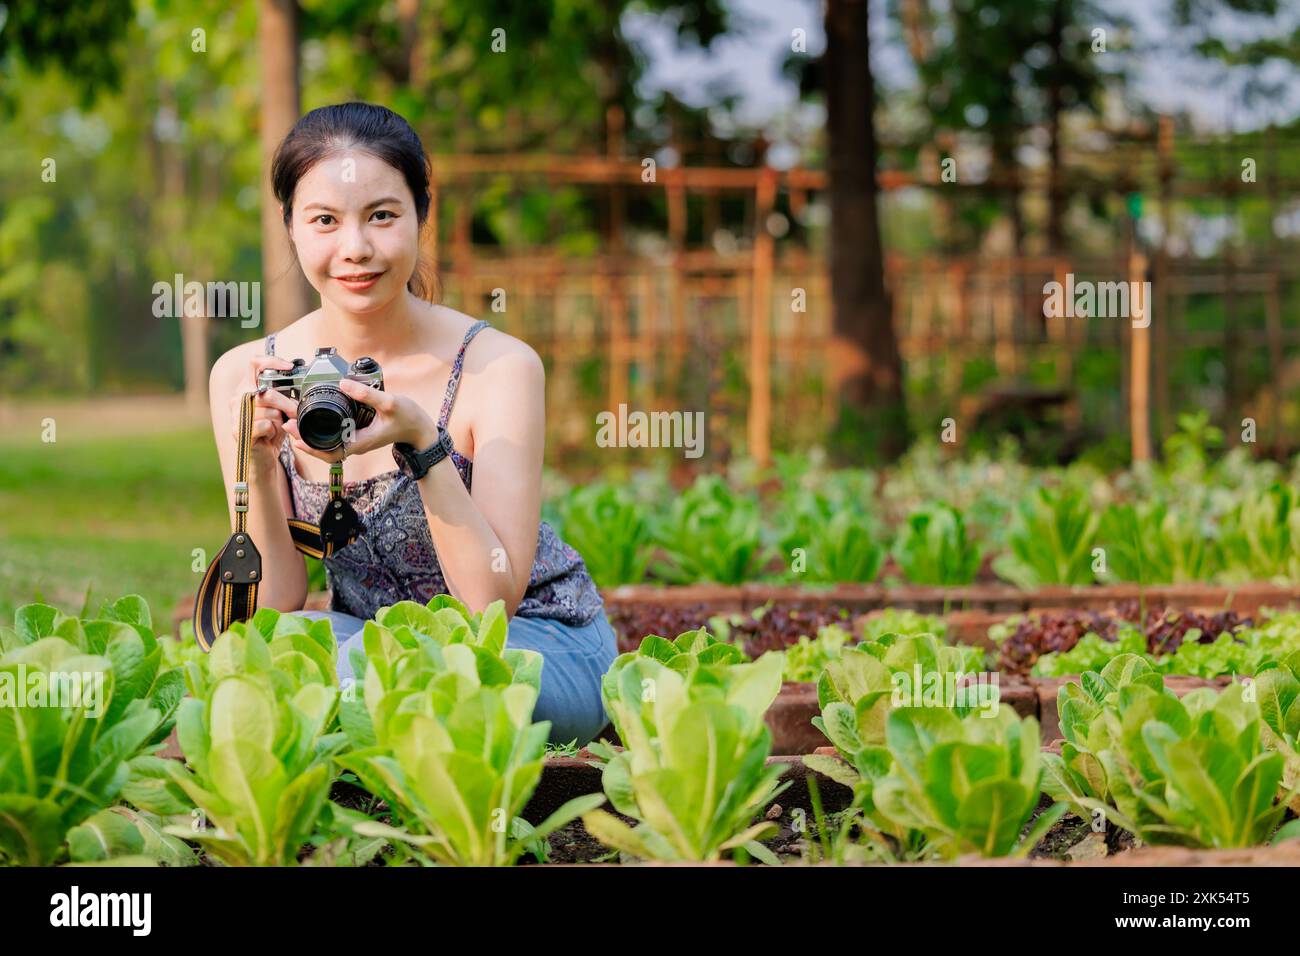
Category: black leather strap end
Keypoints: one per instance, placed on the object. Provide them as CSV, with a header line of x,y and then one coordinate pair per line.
x,y
339,524
239,561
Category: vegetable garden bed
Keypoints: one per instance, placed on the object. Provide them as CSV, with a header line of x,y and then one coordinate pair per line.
x,y
797,611
693,605
434,757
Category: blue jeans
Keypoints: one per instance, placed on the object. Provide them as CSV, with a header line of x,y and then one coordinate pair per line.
x,y
573,661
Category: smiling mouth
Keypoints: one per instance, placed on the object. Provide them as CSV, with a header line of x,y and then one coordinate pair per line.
x,y
363,277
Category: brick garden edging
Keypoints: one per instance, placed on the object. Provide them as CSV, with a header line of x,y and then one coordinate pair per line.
x,y
1001,599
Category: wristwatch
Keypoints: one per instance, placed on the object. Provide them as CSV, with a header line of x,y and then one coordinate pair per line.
x,y
415,464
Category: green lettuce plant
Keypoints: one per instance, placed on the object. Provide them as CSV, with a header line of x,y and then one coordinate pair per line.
x,y
701,659
709,534
904,622
969,784
258,755
444,621
298,652
1277,689
610,531
1051,540
1091,653
932,548
806,659
65,750
404,649
1150,544
684,653
1246,651
1088,714
456,758
1261,537
837,543
693,773
1226,655
126,836
1193,771
857,693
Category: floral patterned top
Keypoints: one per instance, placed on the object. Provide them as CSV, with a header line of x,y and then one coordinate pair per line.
x,y
394,558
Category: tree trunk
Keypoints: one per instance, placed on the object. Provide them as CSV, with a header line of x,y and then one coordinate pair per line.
x,y
865,364
193,323
287,296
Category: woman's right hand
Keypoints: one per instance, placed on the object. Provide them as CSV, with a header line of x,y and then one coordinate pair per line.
x,y
268,430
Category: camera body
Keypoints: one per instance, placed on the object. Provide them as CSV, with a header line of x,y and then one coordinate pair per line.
x,y
322,407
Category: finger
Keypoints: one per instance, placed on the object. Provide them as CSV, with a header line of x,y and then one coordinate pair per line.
x,y
291,428
260,362
328,456
362,442
270,361
279,402
379,401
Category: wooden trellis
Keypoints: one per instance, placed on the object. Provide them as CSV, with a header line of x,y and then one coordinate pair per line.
x,y
661,327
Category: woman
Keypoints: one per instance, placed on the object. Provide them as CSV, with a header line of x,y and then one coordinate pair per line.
x,y
353,184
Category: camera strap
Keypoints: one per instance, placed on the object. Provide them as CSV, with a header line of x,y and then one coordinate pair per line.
x,y
228,591
339,526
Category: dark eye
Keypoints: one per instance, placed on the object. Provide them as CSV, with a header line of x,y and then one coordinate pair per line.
x,y
383,212
322,217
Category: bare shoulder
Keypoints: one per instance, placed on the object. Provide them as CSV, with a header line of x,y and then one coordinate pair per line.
x,y
231,369
499,358
502,354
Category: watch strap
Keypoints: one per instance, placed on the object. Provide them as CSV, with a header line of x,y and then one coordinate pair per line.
x,y
416,463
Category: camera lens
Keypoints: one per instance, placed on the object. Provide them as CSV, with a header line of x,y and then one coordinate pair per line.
x,y
321,414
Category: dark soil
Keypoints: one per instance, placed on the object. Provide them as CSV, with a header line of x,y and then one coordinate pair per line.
x,y
1070,831
353,797
573,844
780,624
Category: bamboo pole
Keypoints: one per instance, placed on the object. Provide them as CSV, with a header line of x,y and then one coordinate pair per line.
x,y
760,341
1140,366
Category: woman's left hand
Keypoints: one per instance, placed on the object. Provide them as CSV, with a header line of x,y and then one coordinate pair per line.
x,y
397,419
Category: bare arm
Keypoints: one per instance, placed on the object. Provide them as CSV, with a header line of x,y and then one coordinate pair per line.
x,y
487,541
284,572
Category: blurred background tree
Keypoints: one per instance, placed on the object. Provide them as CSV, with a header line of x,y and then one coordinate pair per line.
x,y
138,133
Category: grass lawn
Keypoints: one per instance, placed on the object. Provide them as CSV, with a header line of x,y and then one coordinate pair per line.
x,y
120,515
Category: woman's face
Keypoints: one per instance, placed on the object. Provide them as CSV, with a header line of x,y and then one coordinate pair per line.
x,y
354,226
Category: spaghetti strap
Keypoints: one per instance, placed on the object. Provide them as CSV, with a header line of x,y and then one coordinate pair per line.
x,y
453,382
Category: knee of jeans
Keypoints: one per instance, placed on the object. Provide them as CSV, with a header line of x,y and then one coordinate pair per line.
x,y
580,729
573,707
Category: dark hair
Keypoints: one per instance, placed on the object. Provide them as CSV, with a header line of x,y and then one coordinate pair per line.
x,y
373,129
